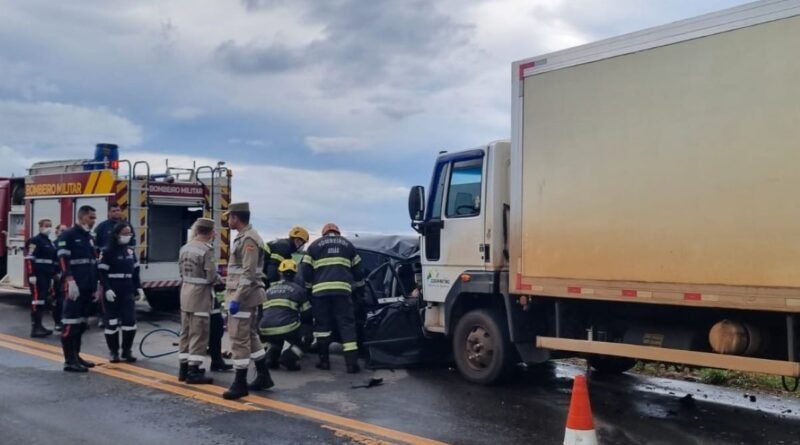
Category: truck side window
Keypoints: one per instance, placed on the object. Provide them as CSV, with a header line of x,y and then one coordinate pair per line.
x,y
464,196
436,209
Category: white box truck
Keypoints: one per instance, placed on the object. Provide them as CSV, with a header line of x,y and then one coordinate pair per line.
x,y
647,206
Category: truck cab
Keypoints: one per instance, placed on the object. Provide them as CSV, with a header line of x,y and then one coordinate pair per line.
x,y
462,219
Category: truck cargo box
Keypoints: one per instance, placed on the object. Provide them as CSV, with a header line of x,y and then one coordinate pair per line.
x,y
662,166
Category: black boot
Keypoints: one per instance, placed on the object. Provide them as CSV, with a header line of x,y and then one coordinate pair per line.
x,y
290,357
351,361
218,364
195,377
263,379
78,341
323,349
37,330
238,388
273,356
127,344
183,370
112,340
70,362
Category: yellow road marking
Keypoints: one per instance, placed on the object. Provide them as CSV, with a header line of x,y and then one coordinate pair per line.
x,y
355,437
209,393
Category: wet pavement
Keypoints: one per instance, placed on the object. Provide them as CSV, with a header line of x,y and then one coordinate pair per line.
x,y
428,403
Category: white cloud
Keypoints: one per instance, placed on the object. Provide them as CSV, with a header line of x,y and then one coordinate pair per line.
x,y
335,144
185,113
52,129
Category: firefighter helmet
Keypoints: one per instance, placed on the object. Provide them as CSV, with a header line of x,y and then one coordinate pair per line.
x,y
299,232
287,266
331,227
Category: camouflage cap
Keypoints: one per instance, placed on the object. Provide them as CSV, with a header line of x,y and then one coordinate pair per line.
x,y
238,207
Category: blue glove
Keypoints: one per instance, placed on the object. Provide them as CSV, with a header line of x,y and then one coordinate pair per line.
x,y
233,307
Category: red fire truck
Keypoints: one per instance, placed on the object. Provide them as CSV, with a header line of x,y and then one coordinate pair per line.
x,y
160,206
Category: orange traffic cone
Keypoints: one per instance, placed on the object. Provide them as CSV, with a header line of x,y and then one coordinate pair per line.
x,y
580,427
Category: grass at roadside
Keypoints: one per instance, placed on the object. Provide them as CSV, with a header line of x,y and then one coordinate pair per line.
x,y
734,379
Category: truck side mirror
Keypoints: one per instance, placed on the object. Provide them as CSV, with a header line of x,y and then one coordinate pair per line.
x,y
416,203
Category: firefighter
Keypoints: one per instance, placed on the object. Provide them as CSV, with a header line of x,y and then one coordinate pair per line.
x,y
282,249
103,230
199,274
58,290
42,263
216,331
287,304
331,271
76,255
119,275
245,294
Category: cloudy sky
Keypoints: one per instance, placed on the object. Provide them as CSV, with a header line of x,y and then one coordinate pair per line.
x,y
326,109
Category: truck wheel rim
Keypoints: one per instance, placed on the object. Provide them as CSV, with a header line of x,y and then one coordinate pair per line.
x,y
480,348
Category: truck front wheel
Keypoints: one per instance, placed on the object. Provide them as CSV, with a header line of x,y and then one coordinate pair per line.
x,y
481,347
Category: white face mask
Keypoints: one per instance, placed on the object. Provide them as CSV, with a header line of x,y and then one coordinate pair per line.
x,y
124,240
47,231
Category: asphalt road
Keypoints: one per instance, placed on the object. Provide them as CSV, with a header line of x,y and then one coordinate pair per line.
x,y
143,404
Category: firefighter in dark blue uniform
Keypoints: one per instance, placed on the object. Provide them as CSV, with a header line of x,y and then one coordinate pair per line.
x,y
58,289
332,273
103,230
42,267
77,257
282,249
119,275
286,307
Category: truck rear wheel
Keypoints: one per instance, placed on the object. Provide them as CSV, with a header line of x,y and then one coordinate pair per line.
x,y
481,347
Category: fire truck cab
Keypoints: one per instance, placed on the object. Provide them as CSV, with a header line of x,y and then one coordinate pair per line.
x,y
160,206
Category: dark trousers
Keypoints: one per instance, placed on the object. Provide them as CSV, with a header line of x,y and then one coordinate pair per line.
x,y
120,313
216,331
40,293
58,303
76,314
286,348
335,311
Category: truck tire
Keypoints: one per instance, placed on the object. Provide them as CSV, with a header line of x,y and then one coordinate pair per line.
x,y
604,364
481,347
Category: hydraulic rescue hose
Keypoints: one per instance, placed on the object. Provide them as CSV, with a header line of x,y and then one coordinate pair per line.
x,y
164,354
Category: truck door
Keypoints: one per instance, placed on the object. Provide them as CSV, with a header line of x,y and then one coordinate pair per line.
x,y
453,234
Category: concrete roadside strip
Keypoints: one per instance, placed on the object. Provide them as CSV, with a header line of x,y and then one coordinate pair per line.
x,y
357,431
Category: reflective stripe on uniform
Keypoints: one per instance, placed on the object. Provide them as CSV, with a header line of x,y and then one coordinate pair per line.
x,y
70,321
350,346
244,362
258,355
280,302
129,328
305,307
37,302
111,331
356,260
195,280
242,315
119,276
64,252
332,286
42,261
183,357
322,334
201,314
196,358
82,261
307,259
280,330
113,322
327,262
102,266
215,311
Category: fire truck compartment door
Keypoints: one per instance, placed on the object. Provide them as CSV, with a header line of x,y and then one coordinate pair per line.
x,y
45,208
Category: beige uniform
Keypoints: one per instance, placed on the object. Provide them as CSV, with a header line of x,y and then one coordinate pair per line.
x,y
245,284
198,271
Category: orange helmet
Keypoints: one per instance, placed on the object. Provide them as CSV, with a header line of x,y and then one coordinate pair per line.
x,y
331,227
